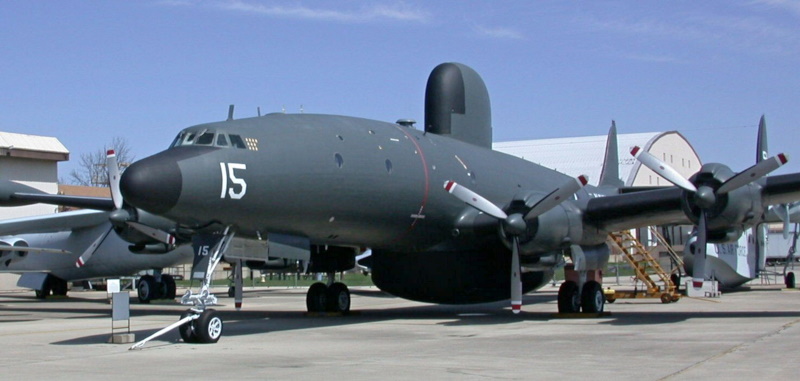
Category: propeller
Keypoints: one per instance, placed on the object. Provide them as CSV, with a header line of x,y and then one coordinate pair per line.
x,y
89,252
515,225
120,215
705,196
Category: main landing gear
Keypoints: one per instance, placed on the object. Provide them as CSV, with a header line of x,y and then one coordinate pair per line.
x,y
333,297
572,297
54,285
152,287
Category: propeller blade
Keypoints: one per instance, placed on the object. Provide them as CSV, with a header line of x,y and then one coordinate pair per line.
x,y
113,178
699,268
516,281
753,173
662,169
158,235
557,196
89,252
475,200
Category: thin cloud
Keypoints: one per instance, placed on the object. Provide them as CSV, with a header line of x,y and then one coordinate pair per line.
x,y
792,6
370,13
499,33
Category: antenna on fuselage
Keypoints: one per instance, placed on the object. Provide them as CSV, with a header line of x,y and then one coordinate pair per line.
x,y
302,111
230,112
259,111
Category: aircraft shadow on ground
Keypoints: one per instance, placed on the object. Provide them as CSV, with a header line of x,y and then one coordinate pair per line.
x,y
265,321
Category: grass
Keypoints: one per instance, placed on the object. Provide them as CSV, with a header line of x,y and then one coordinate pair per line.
x,y
351,279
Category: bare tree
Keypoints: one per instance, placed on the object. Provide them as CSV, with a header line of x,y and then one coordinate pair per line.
x,y
92,171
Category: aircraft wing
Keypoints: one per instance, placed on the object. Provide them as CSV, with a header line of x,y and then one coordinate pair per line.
x,y
53,222
637,209
16,194
35,249
663,206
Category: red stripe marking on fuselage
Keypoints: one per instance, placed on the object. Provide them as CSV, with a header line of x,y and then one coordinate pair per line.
x,y
427,179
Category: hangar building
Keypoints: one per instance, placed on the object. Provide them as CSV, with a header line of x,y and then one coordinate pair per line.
x,y
585,155
33,161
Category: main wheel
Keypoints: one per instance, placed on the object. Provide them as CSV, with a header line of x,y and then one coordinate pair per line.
x,y
569,299
46,288
187,329
168,286
317,297
147,289
676,280
208,327
592,298
59,286
790,280
338,298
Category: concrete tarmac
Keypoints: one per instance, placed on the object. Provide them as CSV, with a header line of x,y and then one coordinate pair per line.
x,y
742,335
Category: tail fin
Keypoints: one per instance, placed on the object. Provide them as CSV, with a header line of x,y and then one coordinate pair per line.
x,y
609,177
762,150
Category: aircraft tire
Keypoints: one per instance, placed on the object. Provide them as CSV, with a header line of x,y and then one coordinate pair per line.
x,y
168,286
59,286
592,298
338,298
316,298
790,280
676,280
231,291
187,330
208,327
569,300
147,289
46,288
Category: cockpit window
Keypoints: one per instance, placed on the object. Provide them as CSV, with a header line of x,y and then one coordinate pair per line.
x,y
217,139
183,139
237,141
206,139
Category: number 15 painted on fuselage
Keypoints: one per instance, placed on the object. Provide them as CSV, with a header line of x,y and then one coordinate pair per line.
x,y
227,170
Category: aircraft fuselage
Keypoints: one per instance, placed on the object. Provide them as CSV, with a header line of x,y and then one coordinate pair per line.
x,y
336,180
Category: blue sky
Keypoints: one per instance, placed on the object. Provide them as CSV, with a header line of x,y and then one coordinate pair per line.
x,y
89,71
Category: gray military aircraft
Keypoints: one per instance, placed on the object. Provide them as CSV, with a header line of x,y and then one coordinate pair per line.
x,y
448,219
51,250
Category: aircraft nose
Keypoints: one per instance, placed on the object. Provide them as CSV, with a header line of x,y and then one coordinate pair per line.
x,y
153,184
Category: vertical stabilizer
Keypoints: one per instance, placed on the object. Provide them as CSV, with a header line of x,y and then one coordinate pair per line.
x,y
457,105
762,150
609,177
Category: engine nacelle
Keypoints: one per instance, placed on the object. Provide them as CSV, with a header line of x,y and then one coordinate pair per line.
x,y
120,217
7,254
450,277
732,212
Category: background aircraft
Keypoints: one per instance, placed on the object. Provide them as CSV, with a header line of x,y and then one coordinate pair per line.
x,y
45,250
448,219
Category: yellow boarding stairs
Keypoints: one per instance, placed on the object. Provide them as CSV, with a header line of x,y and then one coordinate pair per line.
x,y
659,283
